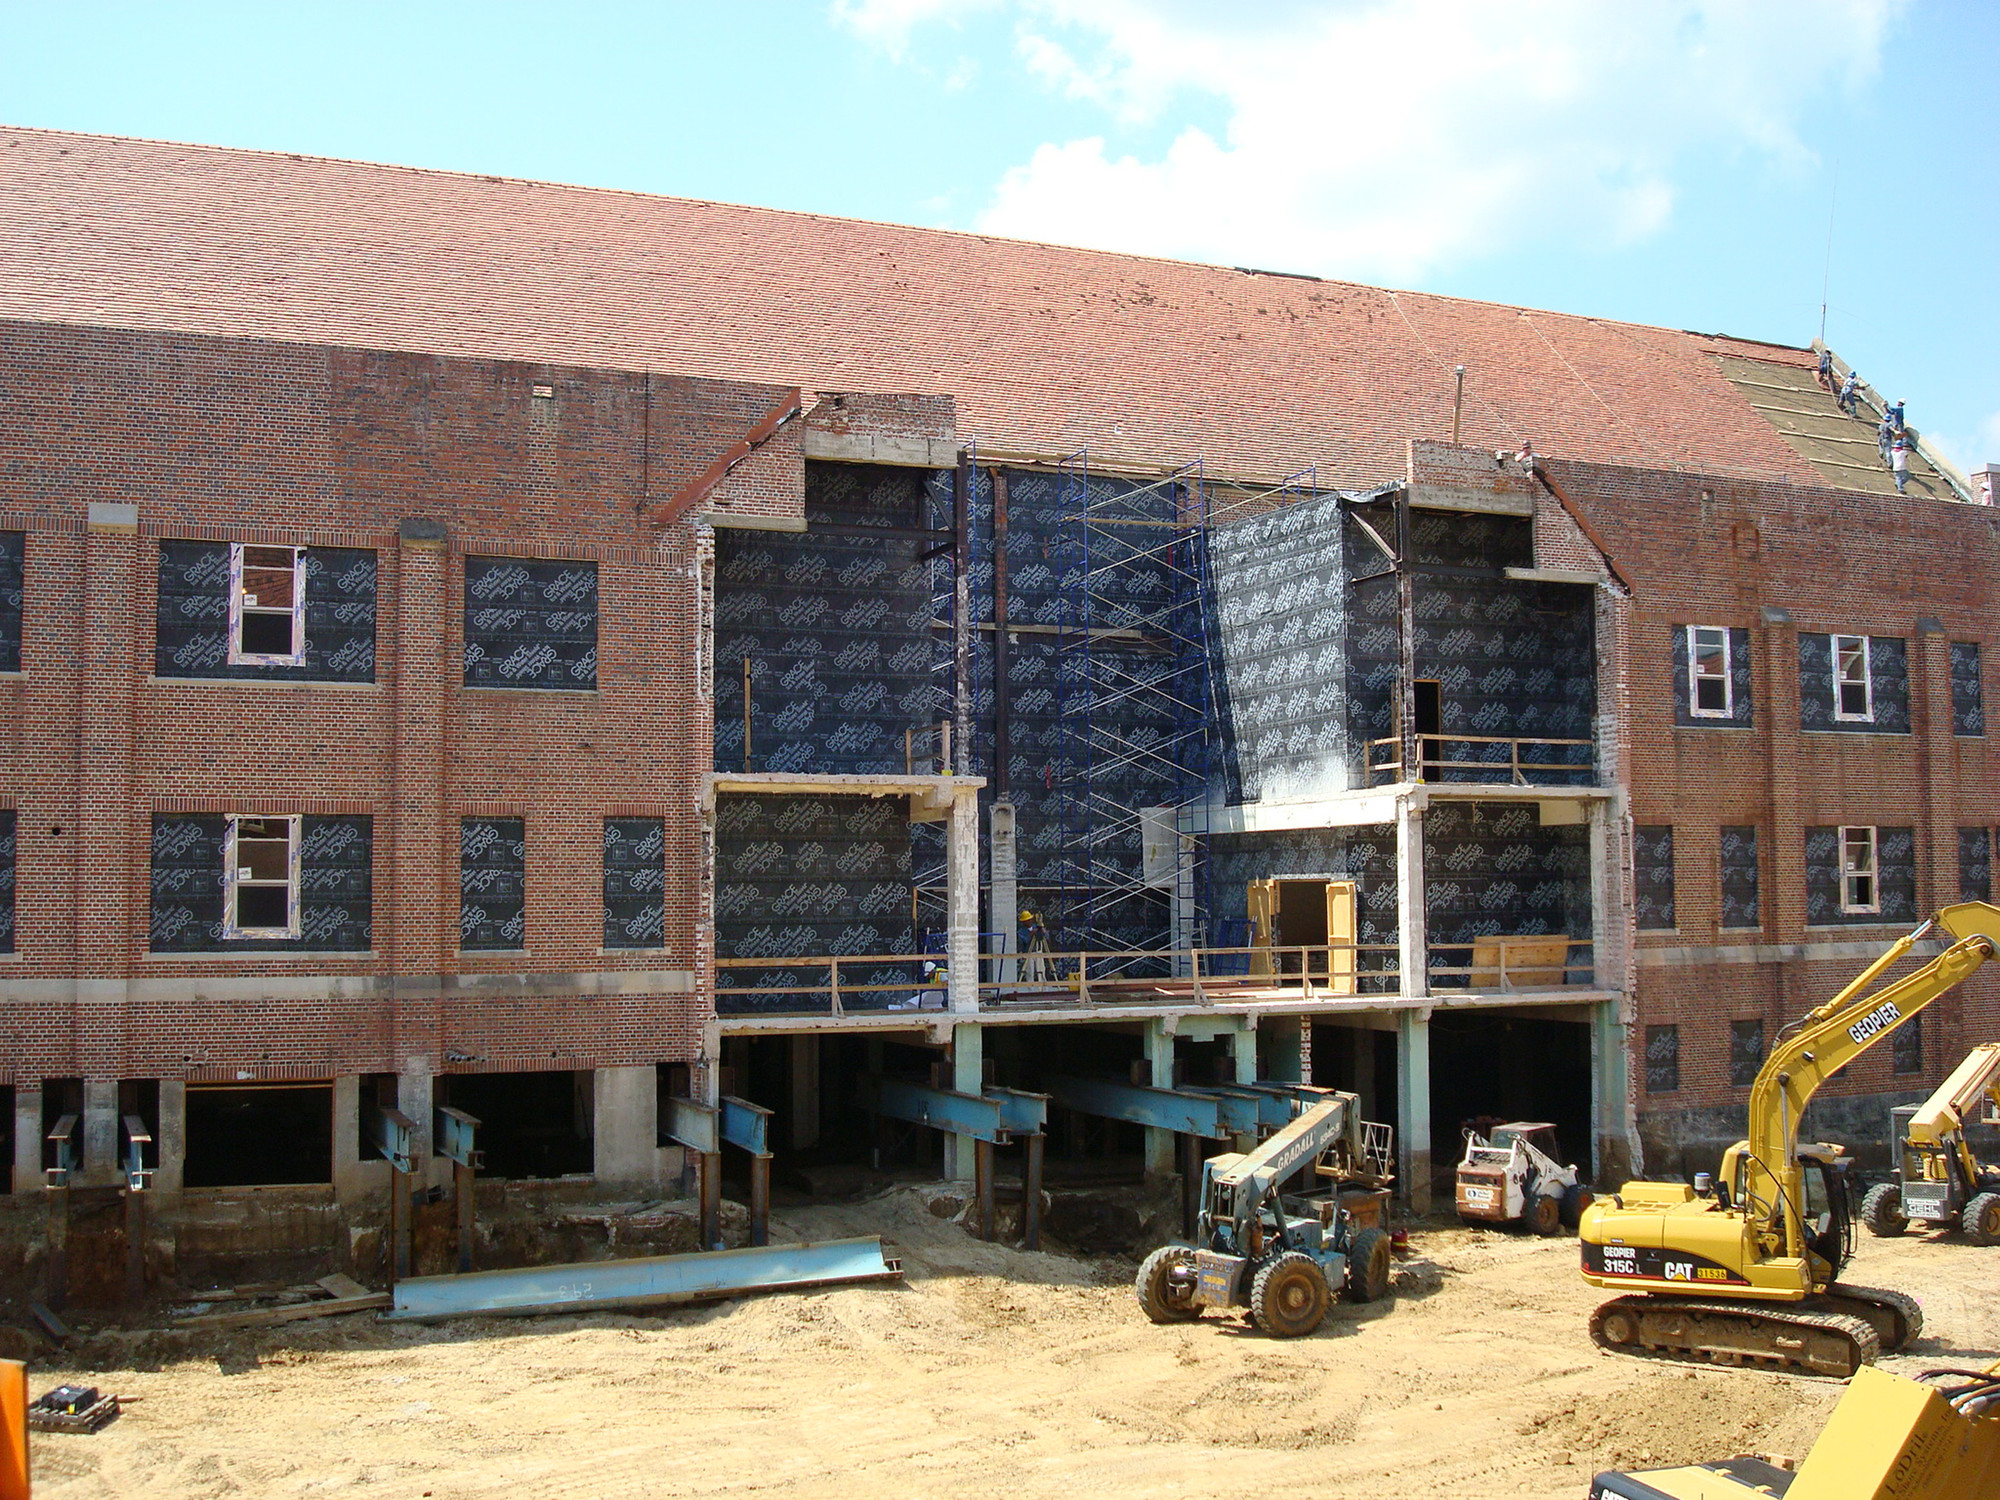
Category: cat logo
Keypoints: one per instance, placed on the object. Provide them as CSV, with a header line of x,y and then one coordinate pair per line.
x,y
1677,1270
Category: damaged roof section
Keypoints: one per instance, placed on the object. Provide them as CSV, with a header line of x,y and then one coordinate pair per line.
x,y
1842,449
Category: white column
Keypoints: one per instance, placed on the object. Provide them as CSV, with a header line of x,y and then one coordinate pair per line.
x,y
1411,911
1413,1105
1160,1062
968,1076
961,864
172,1129
1004,905
100,1133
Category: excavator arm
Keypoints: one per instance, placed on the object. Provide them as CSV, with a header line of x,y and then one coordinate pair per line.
x,y
1832,1036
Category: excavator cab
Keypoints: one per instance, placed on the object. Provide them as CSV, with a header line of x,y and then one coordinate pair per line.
x,y
1828,1211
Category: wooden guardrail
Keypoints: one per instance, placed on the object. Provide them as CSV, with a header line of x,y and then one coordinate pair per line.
x,y
1514,765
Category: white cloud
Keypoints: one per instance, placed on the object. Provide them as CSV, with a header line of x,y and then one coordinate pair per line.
x,y
1387,140
888,23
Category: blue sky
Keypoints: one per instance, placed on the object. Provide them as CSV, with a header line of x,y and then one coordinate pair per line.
x,y
1672,163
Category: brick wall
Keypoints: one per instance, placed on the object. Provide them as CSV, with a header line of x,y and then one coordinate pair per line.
x,y
1778,560
425,461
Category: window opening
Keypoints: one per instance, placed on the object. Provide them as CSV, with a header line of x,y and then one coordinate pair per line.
x,y
1858,887
267,615
1708,672
261,874
1746,1052
1853,687
1663,1059
1907,1046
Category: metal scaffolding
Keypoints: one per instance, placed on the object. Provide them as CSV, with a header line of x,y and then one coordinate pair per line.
x,y
1137,684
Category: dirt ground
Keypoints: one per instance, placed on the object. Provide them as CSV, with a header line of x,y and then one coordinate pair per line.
x,y
988,1372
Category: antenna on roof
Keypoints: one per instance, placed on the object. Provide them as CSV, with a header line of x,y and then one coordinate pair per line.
x,y
1827,279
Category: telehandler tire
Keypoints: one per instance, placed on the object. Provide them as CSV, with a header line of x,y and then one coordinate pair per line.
x,y
1368,1266
1543,1214
1882,1210
1167,1298
1289,1297
1981,1220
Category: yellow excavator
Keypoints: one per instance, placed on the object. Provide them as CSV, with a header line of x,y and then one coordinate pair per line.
x,y
1744,1268
1939,1182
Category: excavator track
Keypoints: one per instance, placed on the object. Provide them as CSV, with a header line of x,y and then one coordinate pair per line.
x,y
1898,1320
1806,1340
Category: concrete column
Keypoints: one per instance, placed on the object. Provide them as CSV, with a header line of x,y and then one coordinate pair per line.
x,y
1243,1050
28,1137
1160,1064
100,1133
625,1118
805,1091
1412,913
961,866
1614,1142
357,1173
968,1076
169,1176
1413,1106
1004,905
1283,1049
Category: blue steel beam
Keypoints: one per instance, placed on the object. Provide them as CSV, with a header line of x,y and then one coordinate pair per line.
x,y
452,1134
1242,1113
745,1124
1161,1109
942,1109
1025,1113
652,1280
394,1134
693,1125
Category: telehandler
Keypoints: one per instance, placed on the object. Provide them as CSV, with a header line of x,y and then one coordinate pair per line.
x,y
1939,1181
1281,1258
1745,1269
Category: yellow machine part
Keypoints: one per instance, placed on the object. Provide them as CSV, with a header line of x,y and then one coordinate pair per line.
x,y
1889,1439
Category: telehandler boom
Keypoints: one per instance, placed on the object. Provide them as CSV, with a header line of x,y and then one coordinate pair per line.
x,y
1938,1180
1747,1270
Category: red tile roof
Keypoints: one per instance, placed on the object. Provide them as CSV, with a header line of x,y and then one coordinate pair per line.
x,y
1146,362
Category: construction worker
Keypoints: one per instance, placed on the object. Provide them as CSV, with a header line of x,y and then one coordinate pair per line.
x,y
1885,437
1850,388
1893,419
1825,371
1899,464
1035,968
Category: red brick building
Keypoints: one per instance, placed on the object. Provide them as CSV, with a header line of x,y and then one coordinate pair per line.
x,y
405,560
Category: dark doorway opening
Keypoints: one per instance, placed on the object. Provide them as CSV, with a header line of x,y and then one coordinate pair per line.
x,y
531,1125
259,1135
1361,1060
1430,724
1489,1067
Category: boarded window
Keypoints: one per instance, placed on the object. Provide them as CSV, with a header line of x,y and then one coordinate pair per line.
x,y
205,628
1739,877
1663,1059
1854,684
635,882
1860,874
1968,699
8,843
11,557
530,624
1746,1052
1653,876
195,901
1906,1046
1975,864
1711,667
492,883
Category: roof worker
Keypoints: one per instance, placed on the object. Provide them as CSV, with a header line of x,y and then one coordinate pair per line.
x,y
1899,464
1527,458
1885,436
1825,371
1849,389
1893,419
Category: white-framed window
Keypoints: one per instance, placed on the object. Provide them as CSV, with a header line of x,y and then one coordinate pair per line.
x,y
260,876
1860,890
267,605
1710,695
1853,685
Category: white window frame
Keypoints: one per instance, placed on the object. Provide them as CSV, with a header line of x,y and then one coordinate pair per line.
x,y
1869,870
1867,715
1696,677
241,604
235,876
